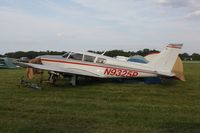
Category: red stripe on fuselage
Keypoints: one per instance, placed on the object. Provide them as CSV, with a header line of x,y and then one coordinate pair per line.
x,y
76,63
84,64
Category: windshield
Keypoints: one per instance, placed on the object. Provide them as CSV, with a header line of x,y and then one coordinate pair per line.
x,y
76,56
66,55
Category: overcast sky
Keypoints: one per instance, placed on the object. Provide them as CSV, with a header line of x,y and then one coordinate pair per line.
x,y
65,25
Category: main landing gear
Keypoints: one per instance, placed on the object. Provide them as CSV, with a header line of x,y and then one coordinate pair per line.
x,y
55,76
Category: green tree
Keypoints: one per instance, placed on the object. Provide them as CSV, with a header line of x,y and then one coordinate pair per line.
x,y
195,56
184,56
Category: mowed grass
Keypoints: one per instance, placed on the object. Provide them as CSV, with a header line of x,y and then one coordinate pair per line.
x,y
101,107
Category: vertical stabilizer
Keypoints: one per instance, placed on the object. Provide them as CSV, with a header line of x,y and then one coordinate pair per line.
x,y
164,62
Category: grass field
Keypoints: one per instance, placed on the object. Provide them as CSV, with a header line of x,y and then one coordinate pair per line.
x,y
102,107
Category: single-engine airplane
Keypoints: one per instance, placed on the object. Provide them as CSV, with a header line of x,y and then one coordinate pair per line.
x,y
95,65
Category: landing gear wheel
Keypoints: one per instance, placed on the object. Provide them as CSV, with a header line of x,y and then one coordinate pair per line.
x,y
53,77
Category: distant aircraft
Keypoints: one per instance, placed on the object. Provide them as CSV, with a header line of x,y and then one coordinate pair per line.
x,y
94,65
7,63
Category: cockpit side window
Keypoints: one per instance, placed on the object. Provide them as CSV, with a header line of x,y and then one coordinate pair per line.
x,y
76,56
89,58
101,60
66,55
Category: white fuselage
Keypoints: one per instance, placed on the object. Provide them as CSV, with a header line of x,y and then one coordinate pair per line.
x,y
109,68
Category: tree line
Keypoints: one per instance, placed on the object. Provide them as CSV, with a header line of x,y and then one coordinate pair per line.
x,y
111,53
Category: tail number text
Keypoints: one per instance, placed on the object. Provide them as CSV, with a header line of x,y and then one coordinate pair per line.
x,y
120,72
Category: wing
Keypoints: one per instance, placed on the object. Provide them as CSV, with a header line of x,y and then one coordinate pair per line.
x,y
57,69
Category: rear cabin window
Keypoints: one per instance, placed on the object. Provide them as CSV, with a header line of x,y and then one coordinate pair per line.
x,y
89,58
76,56
101,60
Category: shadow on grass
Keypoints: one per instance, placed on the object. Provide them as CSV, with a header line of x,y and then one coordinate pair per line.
x,y
83,82
181,127
88,81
